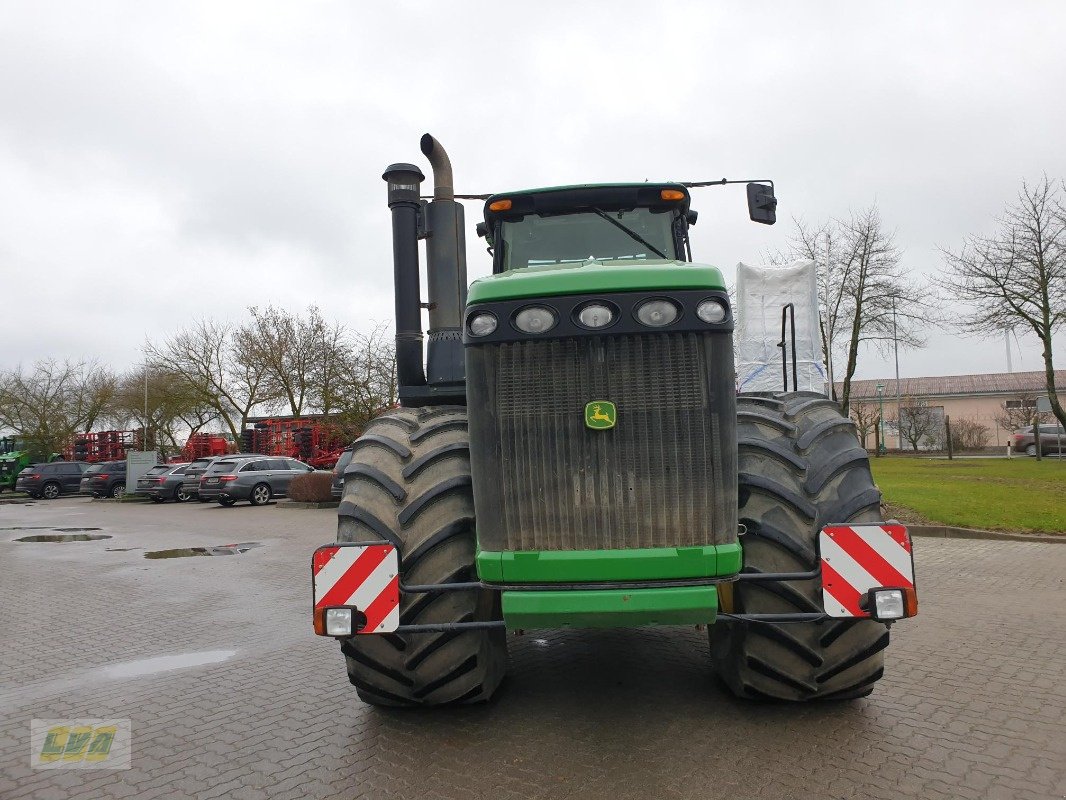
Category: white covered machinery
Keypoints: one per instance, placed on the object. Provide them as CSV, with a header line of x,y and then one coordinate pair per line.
x,y
769,301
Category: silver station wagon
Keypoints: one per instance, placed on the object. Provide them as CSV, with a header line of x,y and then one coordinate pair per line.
x,y
256,479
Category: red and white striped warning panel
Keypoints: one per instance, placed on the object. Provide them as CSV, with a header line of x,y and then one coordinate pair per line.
x,y
361,576
858,558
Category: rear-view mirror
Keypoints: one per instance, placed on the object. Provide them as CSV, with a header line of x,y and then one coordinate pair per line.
x,y
762,205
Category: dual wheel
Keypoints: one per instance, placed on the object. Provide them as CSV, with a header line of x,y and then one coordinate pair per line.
x,y
800,468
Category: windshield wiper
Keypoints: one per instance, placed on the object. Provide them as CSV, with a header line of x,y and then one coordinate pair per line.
x,y
632,234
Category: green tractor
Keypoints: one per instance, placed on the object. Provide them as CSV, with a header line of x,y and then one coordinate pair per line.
x,y
15,456
571,451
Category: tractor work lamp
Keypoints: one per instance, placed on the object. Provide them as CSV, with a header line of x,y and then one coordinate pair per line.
x,y
887,604
672,194
343,621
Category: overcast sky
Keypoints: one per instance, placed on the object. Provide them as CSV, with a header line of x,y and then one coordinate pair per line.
x,y
164,161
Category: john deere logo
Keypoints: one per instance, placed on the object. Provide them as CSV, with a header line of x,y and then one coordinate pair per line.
x,y
600,415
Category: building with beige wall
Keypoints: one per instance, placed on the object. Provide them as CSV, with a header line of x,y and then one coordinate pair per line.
x,y
980,398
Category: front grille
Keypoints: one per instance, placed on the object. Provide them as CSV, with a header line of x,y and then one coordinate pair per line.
x,y
664,476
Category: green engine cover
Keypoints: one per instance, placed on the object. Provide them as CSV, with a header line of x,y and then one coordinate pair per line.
x,y
595,276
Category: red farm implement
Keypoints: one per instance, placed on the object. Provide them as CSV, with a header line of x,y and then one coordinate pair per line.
x,y
313,442
102,446
203,445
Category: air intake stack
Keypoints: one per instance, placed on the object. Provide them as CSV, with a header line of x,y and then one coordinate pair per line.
x,y
440,223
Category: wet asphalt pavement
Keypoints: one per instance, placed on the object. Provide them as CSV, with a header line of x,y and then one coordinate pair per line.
x,y
231,695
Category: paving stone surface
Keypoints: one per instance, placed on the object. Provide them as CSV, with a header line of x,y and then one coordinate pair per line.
x,y
232,696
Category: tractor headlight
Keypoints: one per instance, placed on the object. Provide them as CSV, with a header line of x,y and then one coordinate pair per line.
x,y
657,313
535,319
482,324
888,604
339,622
595,315
711,311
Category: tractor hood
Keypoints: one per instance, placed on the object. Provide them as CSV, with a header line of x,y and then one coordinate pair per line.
x,y
591,277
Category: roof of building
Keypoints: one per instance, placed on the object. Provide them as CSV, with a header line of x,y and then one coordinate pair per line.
x,y
993,383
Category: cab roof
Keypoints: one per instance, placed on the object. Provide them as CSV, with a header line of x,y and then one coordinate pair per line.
x,y
604,196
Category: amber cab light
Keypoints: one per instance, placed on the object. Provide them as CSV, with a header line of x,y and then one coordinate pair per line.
x,y
672,194
500,205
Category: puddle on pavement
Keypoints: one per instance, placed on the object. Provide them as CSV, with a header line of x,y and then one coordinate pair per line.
x,y
189,552
64,537
152,666
120,549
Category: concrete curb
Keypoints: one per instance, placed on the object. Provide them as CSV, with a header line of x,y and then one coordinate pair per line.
x,y
296,504
947,532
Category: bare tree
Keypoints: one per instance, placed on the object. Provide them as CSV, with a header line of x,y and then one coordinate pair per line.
x,y
1016,277
214,371
867,294
1019,412
917,422
174,407
51,401
366,385
288,347
865,417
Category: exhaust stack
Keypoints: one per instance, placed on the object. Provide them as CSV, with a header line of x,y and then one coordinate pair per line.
x,y
443,184
446,272
442,378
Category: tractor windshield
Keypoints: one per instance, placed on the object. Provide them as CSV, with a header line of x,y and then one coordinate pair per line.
x,y
539,239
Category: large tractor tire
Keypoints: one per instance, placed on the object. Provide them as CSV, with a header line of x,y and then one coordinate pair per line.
x,y
800,468
409,483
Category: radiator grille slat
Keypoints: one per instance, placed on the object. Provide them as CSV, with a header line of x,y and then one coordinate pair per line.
x,y
664,476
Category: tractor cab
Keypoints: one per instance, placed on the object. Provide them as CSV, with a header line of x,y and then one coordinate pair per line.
x,y
575,224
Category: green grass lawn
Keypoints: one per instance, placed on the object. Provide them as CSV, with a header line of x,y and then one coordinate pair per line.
x,y
1018,494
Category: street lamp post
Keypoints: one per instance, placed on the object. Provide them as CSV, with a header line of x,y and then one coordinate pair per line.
x,y
881,417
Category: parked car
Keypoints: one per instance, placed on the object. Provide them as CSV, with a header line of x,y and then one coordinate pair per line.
x,y
337,489
164,482
195,470
1052,440
51,480
106,479
257,479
